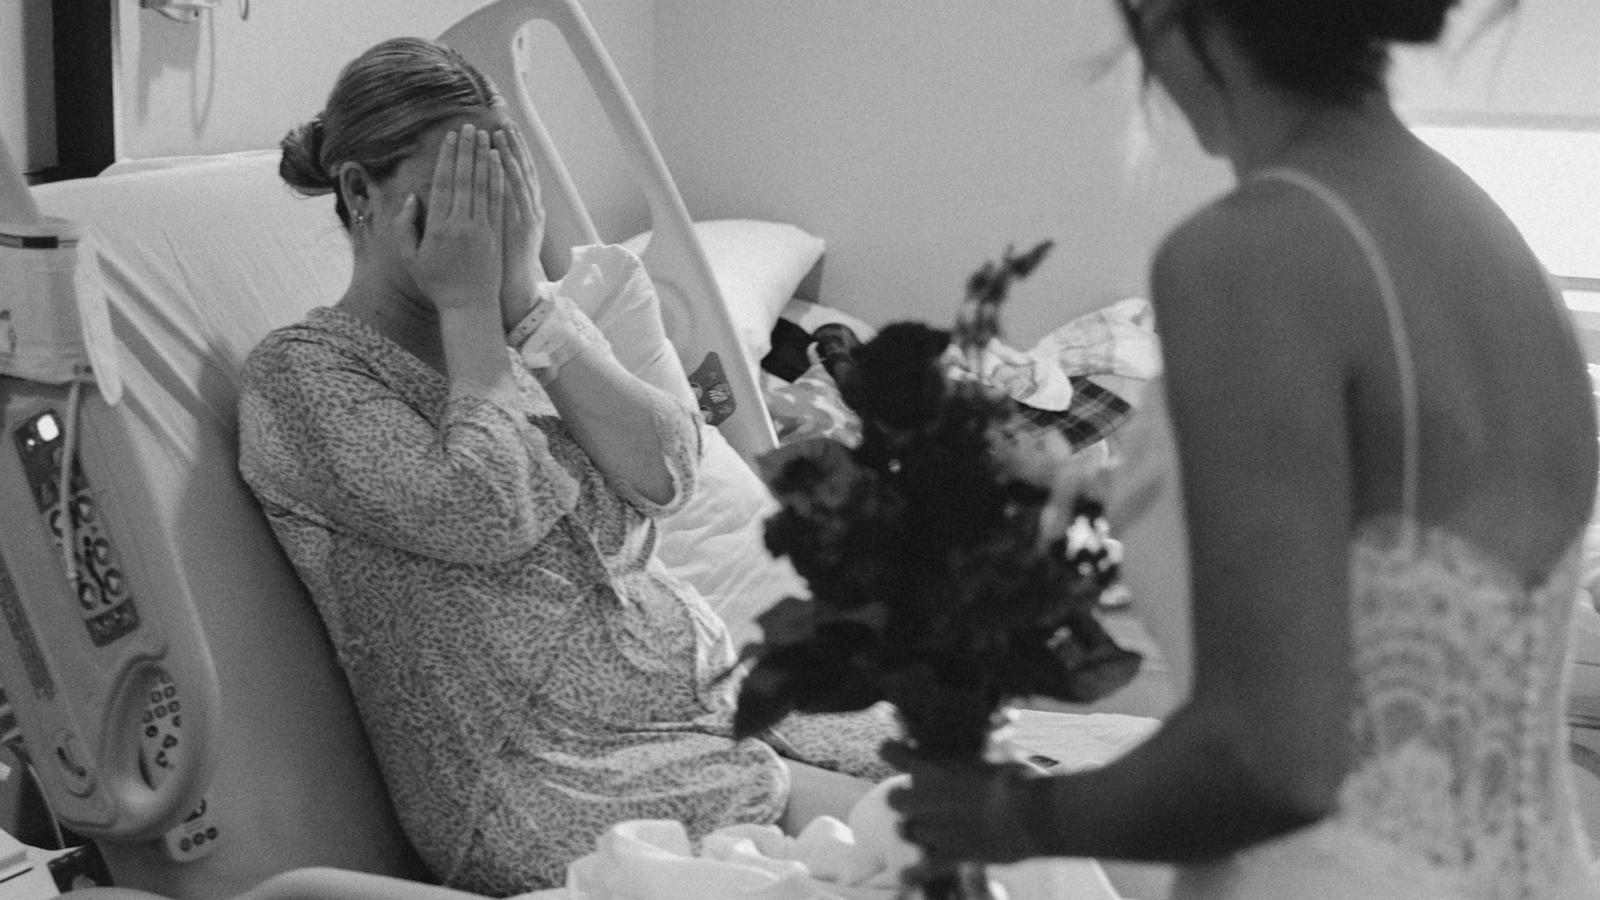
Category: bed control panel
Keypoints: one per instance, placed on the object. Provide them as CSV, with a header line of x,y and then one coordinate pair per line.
x,y
108,612
196,836
99,638
162,726
160,750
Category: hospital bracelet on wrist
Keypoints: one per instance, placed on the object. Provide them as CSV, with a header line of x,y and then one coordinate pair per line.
x,y
528,324
559,334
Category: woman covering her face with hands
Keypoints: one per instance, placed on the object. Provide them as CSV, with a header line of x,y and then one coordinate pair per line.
x,y
466,479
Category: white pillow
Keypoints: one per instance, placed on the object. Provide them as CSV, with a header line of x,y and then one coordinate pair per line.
x,y
758,265
717,541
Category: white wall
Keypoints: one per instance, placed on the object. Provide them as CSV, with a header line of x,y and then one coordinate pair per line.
x,y
27,104
228,84
920,137
1539,66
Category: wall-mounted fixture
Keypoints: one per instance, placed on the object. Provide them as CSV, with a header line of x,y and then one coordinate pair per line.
x,y
190,10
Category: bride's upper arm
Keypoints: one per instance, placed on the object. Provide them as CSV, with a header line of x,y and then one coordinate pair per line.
x,y
1255,375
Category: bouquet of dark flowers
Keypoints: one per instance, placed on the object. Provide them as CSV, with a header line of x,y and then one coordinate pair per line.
x,y
944,579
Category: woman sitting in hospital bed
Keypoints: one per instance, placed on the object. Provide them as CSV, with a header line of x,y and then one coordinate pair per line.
x,y
465,477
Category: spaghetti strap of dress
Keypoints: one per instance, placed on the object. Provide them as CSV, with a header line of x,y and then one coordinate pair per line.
x,y
1400,338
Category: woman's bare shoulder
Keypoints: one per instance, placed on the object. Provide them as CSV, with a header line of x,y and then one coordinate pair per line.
x,y
1265,253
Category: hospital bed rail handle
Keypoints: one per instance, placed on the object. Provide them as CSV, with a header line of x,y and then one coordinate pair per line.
x,y
693,308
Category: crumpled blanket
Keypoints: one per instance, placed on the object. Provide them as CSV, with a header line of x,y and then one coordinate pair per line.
x,y
1083,379
654,859
831,860
1117,339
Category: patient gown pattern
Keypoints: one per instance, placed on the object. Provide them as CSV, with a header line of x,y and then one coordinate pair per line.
x,y
1460,787
527,672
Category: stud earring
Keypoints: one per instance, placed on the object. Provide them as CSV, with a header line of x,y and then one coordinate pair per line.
x,y
361,218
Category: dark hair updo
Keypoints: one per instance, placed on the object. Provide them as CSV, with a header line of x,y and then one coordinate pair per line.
x,y
1334,51
380,105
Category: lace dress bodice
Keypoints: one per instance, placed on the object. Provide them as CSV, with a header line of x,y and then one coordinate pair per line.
x,y
1461,746
1460,785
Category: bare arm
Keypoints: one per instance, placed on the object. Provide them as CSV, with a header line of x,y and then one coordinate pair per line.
x,y
643,441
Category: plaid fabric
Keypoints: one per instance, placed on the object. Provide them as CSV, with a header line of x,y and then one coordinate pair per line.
x,y
1094,413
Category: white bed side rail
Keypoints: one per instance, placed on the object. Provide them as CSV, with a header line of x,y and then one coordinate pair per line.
x,y
695,314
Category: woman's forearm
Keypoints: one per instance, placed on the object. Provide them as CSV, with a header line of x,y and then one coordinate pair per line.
x,y
636,434
1190,793
476,363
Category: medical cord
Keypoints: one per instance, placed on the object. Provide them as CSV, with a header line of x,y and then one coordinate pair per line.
x,y
69,447
20,751
11,739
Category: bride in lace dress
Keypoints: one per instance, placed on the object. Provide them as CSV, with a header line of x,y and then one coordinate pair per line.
x,y
1388,453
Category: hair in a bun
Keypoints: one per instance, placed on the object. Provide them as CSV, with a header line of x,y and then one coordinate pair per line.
x,y
1329,50
1406,21
381,104
301,165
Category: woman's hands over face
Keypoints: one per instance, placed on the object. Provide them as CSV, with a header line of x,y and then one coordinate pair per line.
x,y
523,227
455,256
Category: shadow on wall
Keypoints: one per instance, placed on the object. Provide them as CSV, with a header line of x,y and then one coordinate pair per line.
x,y
38,61
166,46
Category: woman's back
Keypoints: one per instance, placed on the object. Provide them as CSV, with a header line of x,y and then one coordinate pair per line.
x,y
1388,454
1472,458
1506,450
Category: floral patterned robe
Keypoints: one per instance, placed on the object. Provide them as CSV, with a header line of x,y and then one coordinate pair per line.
x,y
527,672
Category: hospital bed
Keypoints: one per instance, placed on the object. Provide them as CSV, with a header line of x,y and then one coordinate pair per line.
x,y
179,697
